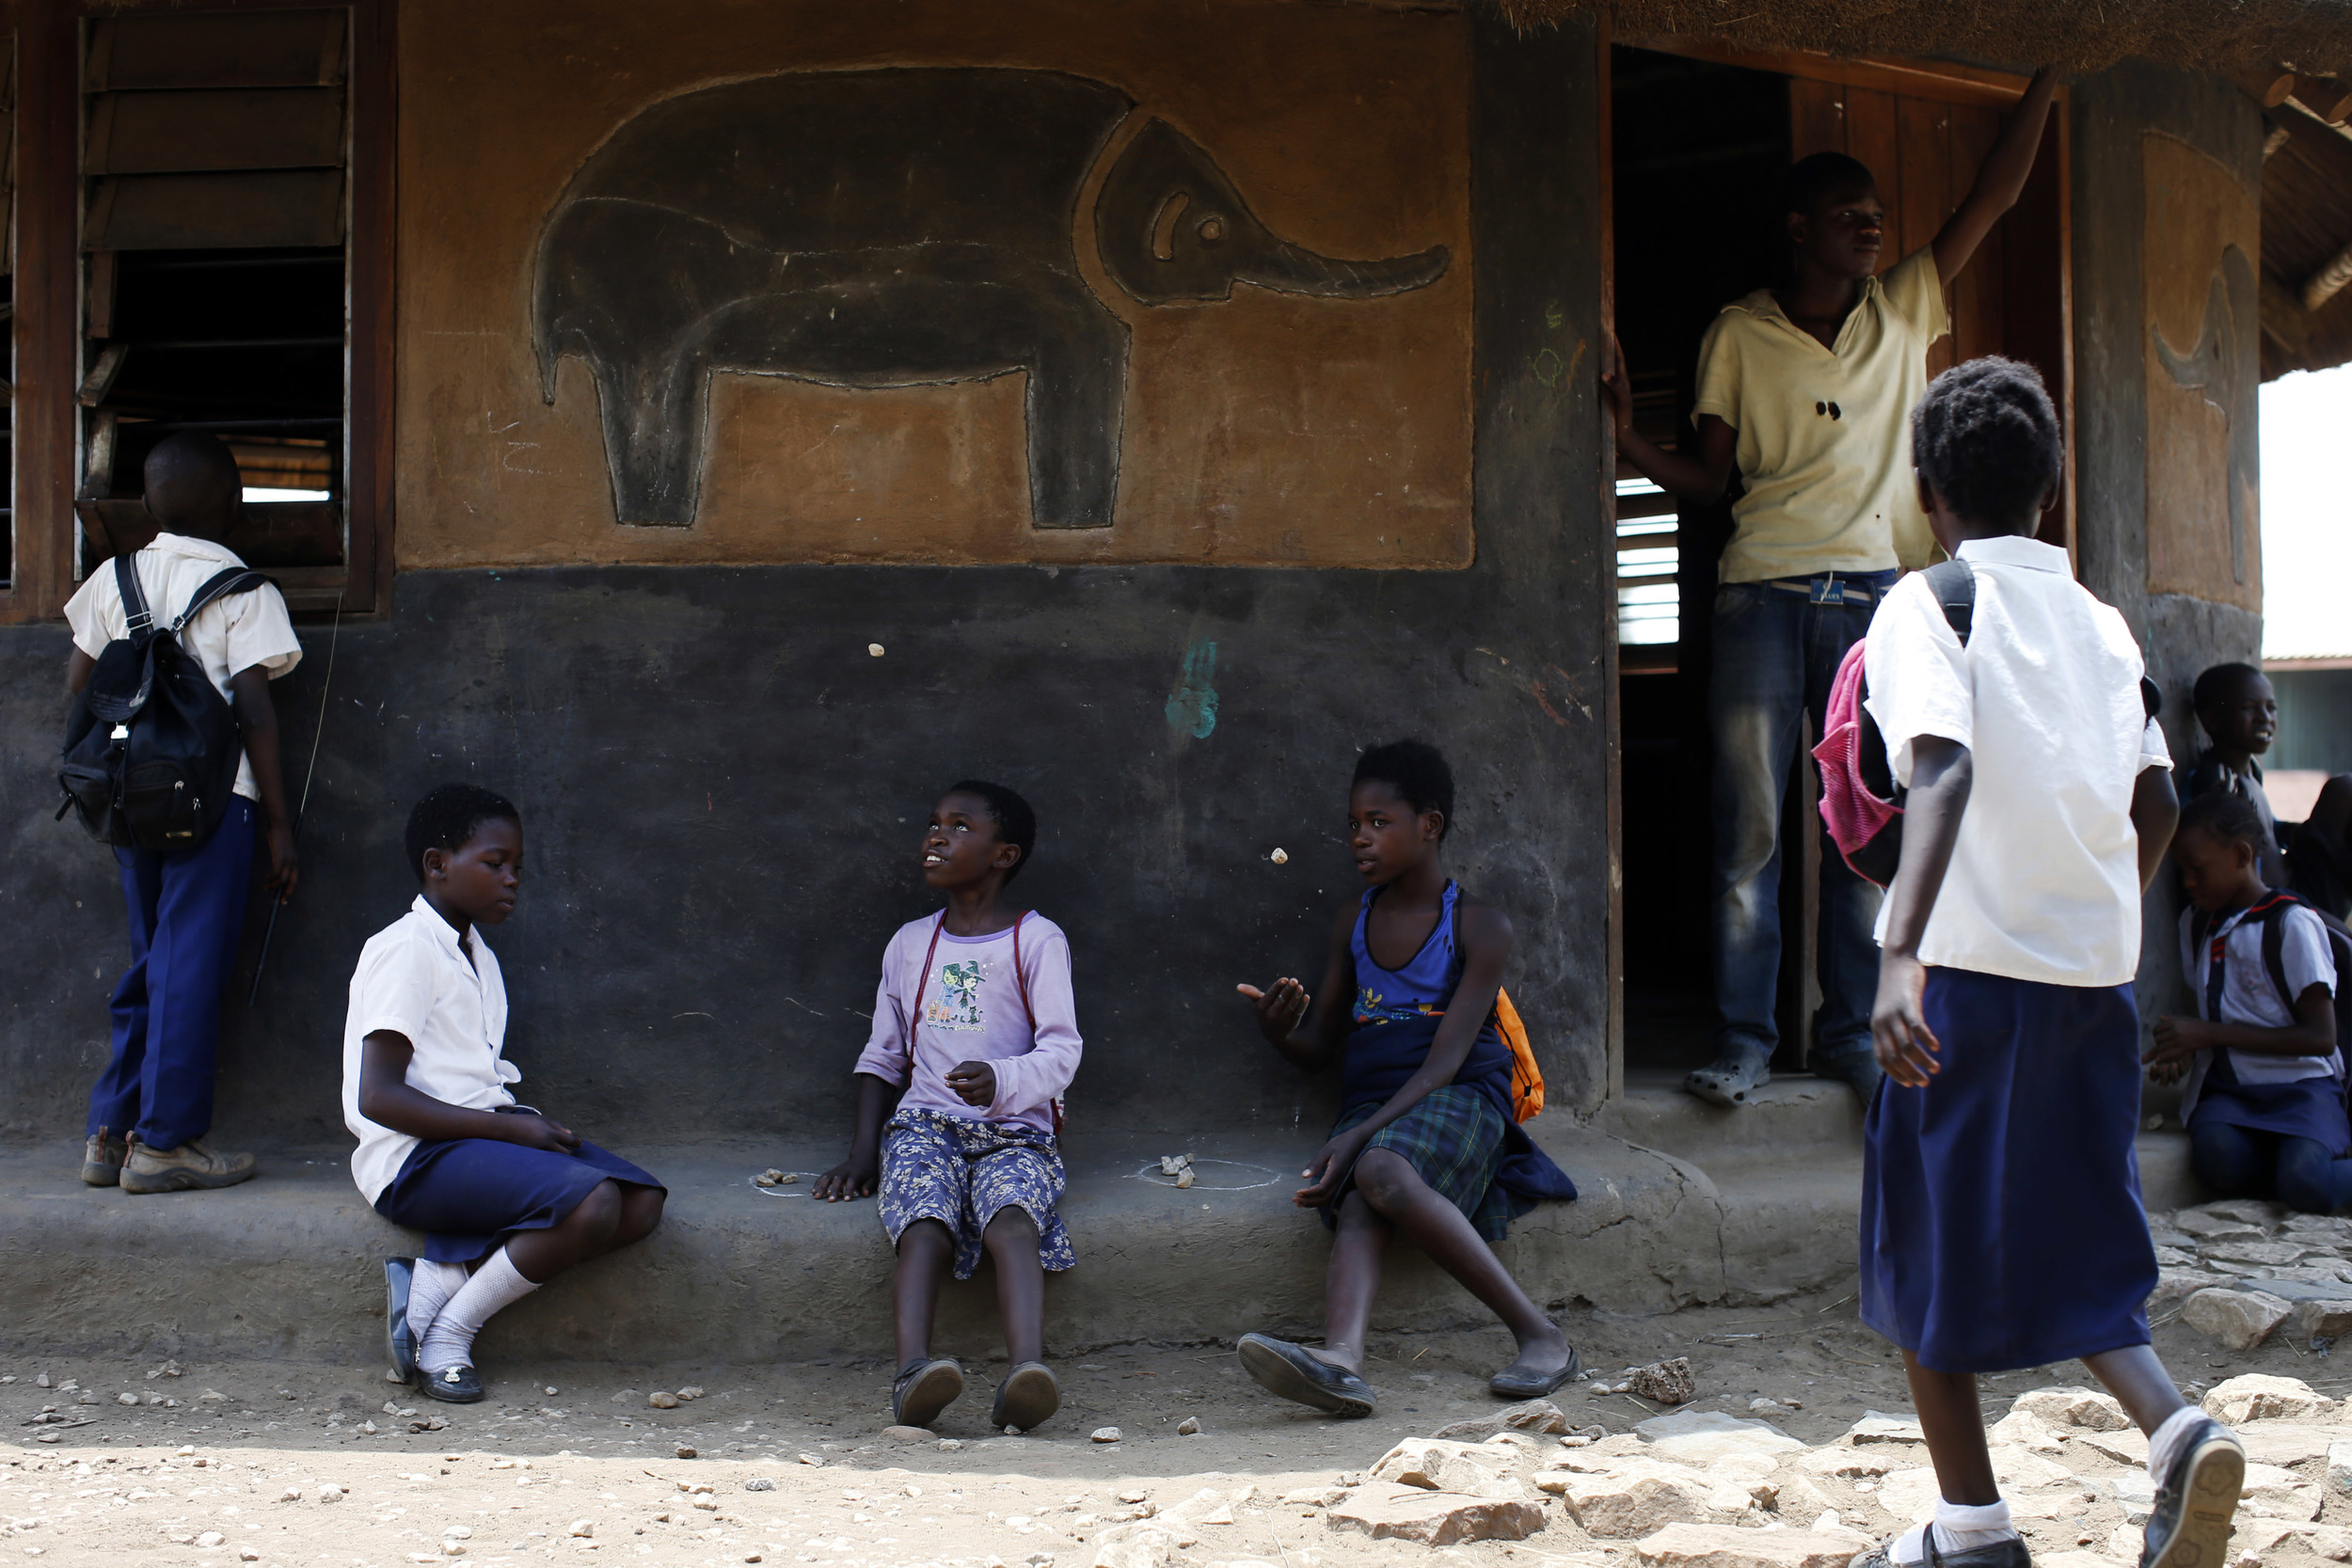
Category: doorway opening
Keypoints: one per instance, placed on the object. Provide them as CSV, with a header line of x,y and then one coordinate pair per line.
x,y
1701,139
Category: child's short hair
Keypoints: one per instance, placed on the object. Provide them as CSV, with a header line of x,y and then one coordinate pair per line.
x,y
2224,816
2215,684
1416,770
1016,824
450,815
1812,178
1986,440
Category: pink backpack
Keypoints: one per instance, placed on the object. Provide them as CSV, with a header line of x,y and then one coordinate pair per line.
x,y
1860,805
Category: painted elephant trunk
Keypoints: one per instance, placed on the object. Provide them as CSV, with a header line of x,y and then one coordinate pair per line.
x,y
1295,270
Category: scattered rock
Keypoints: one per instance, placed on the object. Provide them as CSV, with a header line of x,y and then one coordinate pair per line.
x,y
2027,1430
1137,1546
685,1450
771,1178
907,1434
1384,1510
1701,1437
2340,1465
2124,1448
2088,1408
661,1400
2205,1227
2138,1494
759,1483
1188,1427
1663,1382
2258,1396
2330,1318
2281,1492
2239,1318
1103,1435
2256,1211
1535,1415
209,1538
1437,1465
1727,1546
1635,1497
1852,1464
1313,1496
1878,1427
2285,1443
458,1532
584,1529
690,1394
2272,1254
126,1398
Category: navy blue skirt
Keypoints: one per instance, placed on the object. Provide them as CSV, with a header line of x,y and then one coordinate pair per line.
x,y
2001,1221
2306,1108
469,1195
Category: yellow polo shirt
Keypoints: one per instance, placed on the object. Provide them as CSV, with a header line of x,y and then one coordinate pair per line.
x,y
1824,442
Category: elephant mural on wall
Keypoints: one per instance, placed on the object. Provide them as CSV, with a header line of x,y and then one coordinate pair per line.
x,y
892,228
2222,368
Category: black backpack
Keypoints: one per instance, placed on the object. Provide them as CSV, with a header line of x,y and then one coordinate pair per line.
x,y
2272,914
1954,585
152,746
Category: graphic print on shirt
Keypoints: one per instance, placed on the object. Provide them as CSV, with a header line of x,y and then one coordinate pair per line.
x,y
958,1005
1371,1008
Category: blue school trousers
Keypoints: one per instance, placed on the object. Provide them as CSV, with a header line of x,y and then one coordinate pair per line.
x,y
187,910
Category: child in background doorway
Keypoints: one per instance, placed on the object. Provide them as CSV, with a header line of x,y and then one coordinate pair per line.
x,y
508,1198
1425,1141
2239,714
2001,1219
975,1037
2264,1102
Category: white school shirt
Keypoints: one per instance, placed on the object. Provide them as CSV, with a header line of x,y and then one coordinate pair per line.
x,y
2249,997
413,979
2044,878
971,1011
227,637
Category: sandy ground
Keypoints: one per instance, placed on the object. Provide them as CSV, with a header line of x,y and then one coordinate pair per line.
x,y
223,1463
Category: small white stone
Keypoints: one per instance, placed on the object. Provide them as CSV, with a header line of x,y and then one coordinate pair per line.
x,y
126,1398
209,1538
1281,857
1105,1435
874,649
661,1400
458,1532
247,1554
1188,1427
584,1529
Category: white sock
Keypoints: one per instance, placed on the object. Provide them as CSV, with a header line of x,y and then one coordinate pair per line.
x,y
496,1285
1958,1528
429,1290
2165,1443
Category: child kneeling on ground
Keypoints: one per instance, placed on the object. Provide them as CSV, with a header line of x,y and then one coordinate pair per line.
x,y
2001,1218
1426,1141
507,1197
975,1039
2265,1103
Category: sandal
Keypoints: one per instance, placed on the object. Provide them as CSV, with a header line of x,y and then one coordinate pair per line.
x,y
1297,1373
1534,1386
923,1390
1728,1080
1028,1397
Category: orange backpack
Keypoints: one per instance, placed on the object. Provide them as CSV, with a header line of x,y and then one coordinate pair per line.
x,y
1527,1079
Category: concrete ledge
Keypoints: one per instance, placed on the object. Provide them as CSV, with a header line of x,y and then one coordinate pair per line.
x,y
287,1264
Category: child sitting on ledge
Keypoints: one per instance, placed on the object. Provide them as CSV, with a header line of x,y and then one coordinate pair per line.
x,y
975,1039
508,1198
1426,1142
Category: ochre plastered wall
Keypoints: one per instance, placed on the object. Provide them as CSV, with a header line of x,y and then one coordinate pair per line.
x,y
1270,428
2195,213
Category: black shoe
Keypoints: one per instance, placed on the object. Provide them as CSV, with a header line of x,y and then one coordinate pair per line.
x,y
454,1386
925,1390
1296,1373
1028,1397
400,1340
1534,1386
1859,1071
2011,1553
2196,1497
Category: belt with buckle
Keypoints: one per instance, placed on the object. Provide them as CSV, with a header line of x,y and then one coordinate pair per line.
x,y
1828,588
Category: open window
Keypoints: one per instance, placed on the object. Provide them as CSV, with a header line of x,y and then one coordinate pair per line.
x,y
221,283
1701,137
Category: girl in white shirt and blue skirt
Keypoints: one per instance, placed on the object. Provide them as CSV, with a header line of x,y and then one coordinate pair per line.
x,y
508,1197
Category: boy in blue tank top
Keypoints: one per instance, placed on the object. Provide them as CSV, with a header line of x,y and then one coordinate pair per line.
x,y
1425,1141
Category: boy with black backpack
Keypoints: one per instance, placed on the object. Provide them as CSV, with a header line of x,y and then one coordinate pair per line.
x,y
185,873
2264,1102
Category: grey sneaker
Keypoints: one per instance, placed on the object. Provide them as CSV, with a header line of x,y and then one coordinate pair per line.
x,y
177,1170
102,1160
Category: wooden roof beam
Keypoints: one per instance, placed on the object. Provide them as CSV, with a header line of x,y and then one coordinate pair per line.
x,y
2326,97
2325,284
2269,85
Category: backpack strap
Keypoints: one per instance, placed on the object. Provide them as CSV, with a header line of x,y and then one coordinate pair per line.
x,y
229,579
1954,585
2273,912
922,978
141,621
1021,980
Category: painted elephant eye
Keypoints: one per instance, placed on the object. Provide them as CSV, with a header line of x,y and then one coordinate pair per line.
x,y
1211,230
1164,226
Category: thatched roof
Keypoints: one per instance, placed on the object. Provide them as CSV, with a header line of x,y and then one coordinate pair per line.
x,y
2079,35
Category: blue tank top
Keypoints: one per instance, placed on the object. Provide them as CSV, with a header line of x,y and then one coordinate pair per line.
x,y
1423,987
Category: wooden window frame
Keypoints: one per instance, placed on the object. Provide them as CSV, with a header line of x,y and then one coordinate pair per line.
x,y
48,320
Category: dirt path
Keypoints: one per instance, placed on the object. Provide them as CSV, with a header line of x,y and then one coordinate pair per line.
x,y
197,1475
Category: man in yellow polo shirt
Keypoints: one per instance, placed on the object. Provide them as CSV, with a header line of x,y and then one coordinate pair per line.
x,y
1807,390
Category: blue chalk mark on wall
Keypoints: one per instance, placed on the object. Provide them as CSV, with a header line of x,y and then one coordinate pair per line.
x,y
1192,706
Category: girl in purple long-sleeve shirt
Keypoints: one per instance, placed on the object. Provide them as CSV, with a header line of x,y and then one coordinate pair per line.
x,y
959,1093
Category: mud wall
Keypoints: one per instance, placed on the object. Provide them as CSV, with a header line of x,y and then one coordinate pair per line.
x,y
723,783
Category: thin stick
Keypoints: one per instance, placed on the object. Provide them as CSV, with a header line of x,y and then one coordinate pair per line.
x,y
334,641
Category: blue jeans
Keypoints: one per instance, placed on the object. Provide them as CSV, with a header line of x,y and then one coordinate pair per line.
x,y
1776,653
187,910
2240,1161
